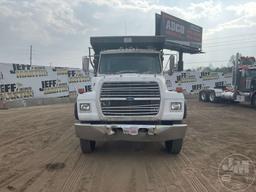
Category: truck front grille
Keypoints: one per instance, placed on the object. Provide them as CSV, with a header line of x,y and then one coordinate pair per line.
x,y
130,98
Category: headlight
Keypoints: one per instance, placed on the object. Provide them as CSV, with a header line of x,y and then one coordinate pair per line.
x,y
175,106
85,107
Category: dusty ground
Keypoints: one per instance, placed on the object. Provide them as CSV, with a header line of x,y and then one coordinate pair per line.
x,y
39,152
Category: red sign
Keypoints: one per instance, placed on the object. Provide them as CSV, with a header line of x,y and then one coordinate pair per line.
x,y
179,31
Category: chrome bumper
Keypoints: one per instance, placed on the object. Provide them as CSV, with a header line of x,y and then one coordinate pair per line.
x,y
130,132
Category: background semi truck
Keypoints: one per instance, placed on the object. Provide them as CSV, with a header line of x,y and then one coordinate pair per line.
x,y
129,98
243,89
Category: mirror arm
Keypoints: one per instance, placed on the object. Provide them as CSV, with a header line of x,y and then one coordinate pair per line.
x,y
90,58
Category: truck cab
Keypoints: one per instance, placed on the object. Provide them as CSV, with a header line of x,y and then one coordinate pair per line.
x,y
243,88
246,80
129,98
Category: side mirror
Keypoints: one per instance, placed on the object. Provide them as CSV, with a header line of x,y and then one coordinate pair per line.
x,y
171,64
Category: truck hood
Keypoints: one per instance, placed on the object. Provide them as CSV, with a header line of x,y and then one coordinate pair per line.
x,y
130,77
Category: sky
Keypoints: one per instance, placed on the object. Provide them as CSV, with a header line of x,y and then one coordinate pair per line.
x,y
59,30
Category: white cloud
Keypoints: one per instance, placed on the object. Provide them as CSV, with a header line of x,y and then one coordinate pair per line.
x,y
65,25
58,15
241,22
246,9
245,17
205,9
192,11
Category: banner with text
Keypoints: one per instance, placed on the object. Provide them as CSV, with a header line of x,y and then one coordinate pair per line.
x,y
21,81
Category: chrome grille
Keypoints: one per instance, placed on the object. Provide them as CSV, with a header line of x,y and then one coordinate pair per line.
x,y
130,98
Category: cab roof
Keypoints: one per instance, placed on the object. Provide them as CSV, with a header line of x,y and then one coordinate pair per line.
x,y
127,42
157,42
118,51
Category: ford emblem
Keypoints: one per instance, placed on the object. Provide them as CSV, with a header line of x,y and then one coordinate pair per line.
x,y
130,99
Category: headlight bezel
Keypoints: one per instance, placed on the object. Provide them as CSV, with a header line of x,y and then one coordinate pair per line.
x,y
176,106
83,109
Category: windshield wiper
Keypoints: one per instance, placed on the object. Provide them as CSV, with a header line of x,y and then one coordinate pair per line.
x,y
126,71
148,72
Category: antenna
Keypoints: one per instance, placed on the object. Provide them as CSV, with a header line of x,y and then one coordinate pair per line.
x,y
30,55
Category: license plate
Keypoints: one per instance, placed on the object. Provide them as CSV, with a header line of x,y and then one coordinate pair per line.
x,y
131,131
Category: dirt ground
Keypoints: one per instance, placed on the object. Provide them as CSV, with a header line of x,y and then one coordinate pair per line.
x,y
39,152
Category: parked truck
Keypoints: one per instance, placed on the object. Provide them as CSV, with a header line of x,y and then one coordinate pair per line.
x,y
243,89
129,100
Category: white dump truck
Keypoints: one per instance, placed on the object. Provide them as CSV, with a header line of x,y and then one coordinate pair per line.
x,y
129,99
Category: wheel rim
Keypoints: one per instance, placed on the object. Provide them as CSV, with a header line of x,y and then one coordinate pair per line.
x,y
203,96
212,97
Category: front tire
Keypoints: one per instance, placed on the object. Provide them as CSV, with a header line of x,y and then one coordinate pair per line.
x,y
174,146
75,111
87,146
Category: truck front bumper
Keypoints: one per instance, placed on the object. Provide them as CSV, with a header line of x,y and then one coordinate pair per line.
x,y
130,132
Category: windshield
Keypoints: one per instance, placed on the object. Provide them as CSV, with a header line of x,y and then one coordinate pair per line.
x,y
129,63
251,73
